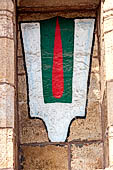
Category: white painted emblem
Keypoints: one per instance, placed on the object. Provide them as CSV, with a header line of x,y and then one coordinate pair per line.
x,y
57,116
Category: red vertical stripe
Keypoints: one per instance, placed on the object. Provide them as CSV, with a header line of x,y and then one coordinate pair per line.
x,y
57,70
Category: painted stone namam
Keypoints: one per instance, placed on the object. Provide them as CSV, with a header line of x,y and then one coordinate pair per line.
x,y
57,58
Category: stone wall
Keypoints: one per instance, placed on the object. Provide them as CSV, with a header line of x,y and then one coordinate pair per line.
x,y
84,146
90,140
8,138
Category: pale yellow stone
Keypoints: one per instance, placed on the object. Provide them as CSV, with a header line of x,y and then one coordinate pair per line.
x,y
110,102
6,60
108,24
95,48
109,55
6,106
95,65
110,136
108,4
6,148
6,26
87,156
6,5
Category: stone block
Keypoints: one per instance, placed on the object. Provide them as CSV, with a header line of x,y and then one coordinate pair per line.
x,y
109,55
19,45
90,127
31,130
106,151
21,66
60,3
6,148
109,102
104,112
87,156
48,157
22,88
7,5
108,5
95,48
6,26
6,106
95,66
110,138
108,24
7,60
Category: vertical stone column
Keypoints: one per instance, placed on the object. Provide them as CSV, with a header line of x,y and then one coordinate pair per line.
x,y
108,49
7,84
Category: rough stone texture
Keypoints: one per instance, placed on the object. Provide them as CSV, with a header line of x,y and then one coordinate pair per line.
x,y
6,25
6,148
6,106
90,127
109,55
104,114
21,67
7,83
108,34
106,152
22,88
19,47
7,5
44,158
87,156
110,137
28,126
109,103
42,16
7,60
83,4
31,130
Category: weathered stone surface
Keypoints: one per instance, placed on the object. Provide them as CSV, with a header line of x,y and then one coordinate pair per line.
x,y
109,55
95,47
22,88
90,127
109,102
6,5
106,151
19,47
6,106
110,138
108,24
6,148
95,69
108,5
21,66
83,4
87,156
45,157
7,60
31,130
6,26
104,112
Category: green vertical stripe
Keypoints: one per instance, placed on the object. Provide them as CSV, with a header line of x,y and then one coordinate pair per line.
x,y
47,28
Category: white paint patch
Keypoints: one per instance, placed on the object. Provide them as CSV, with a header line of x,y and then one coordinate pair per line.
x,y
57,116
